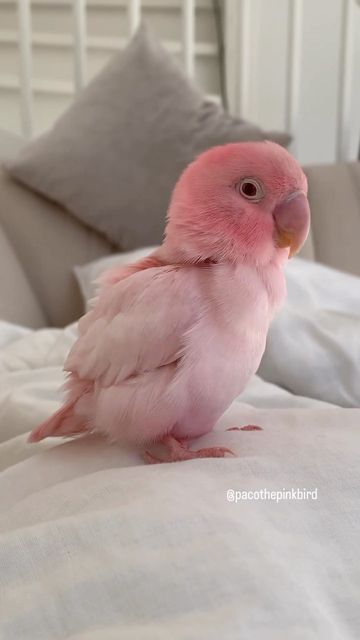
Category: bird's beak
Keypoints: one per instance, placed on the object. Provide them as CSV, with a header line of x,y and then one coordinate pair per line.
x,y
292,222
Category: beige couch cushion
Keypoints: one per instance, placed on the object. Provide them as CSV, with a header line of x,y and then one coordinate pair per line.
x,y
308,249
17,300
48,242
334,194
10,145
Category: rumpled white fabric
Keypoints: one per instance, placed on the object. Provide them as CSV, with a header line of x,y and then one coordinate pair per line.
x,y
313,346
95,545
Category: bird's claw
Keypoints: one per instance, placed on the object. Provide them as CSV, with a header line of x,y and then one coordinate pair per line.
x,y
178,451
246,427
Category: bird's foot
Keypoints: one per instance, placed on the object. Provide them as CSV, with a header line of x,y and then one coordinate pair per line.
x,y
178,451
247,427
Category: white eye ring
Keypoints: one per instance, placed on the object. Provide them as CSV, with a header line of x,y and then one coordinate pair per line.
x,y
251,189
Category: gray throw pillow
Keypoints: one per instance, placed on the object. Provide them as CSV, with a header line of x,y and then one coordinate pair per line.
x,y
114,156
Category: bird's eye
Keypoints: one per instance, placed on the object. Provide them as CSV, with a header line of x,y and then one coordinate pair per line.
x,y
251,189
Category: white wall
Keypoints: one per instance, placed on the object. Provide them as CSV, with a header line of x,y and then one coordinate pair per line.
x,y
265,26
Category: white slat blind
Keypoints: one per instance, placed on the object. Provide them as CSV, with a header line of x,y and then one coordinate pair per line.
x,y
134,11
294,65
79,11
244,57
345,79
188,28
26,97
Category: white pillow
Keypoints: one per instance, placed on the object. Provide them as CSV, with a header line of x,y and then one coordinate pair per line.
x,y
88,274
313,346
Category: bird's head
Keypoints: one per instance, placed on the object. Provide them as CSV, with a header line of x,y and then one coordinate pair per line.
x,y
238,202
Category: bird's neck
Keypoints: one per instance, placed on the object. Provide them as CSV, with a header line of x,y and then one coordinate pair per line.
x,y
175,253
270,273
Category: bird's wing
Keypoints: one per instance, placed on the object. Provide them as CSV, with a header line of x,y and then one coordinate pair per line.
x,y
137,325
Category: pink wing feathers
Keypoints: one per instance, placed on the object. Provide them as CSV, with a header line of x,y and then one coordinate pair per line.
x,y
136,326
64,422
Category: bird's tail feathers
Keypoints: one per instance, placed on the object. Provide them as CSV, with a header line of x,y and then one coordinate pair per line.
x,y
62,423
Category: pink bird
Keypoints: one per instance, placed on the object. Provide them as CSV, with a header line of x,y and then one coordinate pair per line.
x,y
174,338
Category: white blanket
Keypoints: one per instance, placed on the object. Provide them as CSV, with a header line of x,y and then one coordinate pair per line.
x,y
96,545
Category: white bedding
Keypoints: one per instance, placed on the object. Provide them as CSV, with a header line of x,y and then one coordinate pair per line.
x,y
96,545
